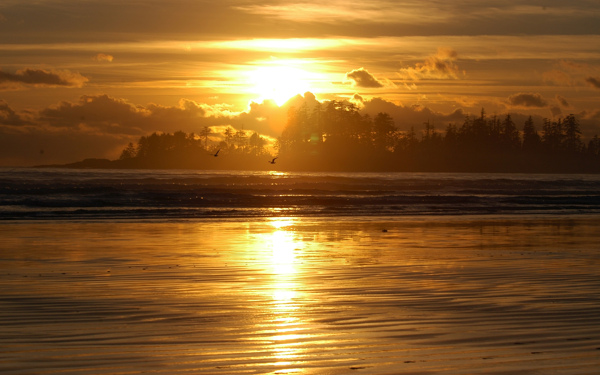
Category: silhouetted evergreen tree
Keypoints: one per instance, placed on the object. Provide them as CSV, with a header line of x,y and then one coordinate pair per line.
x,y
129,152
593,148
384,132
572,135
552,138
531,138
510,137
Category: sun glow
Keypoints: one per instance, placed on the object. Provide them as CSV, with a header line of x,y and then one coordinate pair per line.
x,y
279,83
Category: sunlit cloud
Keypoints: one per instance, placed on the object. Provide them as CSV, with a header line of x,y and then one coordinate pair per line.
x,y
292,45
503,47
362,78
103,57
439,66
357,100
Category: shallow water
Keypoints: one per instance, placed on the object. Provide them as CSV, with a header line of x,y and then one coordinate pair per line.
x,y
306,295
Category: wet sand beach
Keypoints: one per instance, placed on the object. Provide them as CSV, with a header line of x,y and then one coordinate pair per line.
x,y
426,295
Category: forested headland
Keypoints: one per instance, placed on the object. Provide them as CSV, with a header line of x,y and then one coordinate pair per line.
x,y
337,137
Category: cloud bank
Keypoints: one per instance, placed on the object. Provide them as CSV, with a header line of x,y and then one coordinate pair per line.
x,y
595,82
100,126
41,78
527,100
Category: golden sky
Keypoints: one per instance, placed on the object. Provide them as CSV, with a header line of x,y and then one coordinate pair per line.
x,y
82,78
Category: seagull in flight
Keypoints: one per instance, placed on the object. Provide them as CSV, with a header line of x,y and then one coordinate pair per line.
x,y
217,153
273,161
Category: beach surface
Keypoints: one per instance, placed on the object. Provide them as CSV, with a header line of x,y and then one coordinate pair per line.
x,y
302,295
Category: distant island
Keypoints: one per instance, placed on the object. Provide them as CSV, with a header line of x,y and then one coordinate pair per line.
x,y
336,137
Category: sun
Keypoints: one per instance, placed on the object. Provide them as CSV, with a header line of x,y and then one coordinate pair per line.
x,y
278,83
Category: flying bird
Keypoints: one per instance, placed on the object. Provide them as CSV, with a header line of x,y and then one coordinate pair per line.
x,y
273,161
217,153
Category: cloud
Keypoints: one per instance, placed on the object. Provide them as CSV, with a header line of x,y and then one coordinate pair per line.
x,y
102,113
562,101
101,126
529,100
555,110
593,116
338,11
9,117
362,78
103,57
558,77
575,67
406,117
595,82
41,78
357,100
439,66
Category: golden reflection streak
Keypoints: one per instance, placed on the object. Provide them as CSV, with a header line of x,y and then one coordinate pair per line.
x,y
287,337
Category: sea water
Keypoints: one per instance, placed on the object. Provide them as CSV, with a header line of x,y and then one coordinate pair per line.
x,y
30,193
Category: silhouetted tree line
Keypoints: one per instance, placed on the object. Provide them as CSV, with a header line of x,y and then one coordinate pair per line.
x,y
183,150
337,137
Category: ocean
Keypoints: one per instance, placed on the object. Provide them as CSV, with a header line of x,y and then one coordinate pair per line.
x,y
56,194
112,272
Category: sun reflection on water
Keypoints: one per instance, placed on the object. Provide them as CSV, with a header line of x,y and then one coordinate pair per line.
x,y
287,334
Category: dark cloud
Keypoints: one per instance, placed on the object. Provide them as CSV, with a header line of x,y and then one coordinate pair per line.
x,y
362,78
67,131
118,116
9,117
97,112
562,101
110,20
530,100
100,126
591,115
41,77
555,110
595,82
